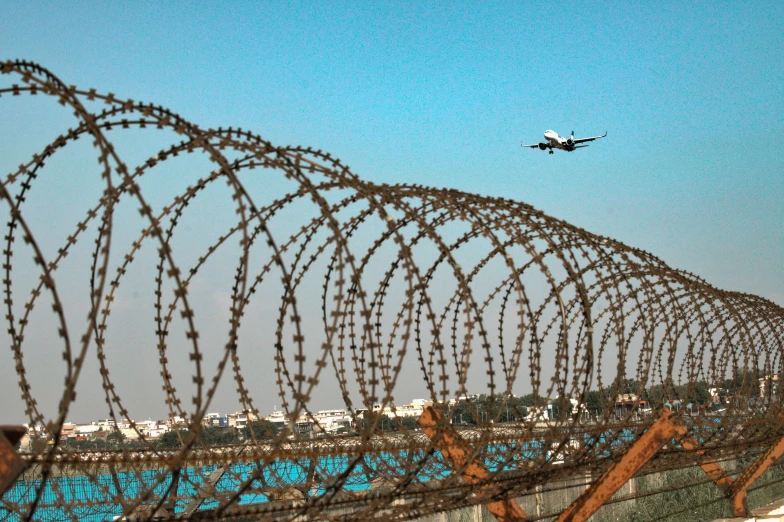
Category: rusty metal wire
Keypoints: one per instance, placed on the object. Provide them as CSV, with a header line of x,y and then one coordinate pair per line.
x,y
367,288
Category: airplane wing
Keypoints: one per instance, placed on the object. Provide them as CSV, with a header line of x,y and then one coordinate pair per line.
x,y
583,140
534,146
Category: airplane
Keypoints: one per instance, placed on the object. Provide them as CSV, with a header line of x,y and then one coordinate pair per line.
x,y
567,144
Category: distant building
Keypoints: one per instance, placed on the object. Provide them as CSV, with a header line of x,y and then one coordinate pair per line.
x,y
237,420
575,406
769,386
413,409
674,404
207,420
277,417
151,429
331,421
25,443
176,422
240,419
67,431
218,422
84,429
538,414
104,424
127,432
625,403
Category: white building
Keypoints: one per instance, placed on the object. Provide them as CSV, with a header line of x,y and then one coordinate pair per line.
x,y
84,429
330,421
277,417
413,409
240,419
104,424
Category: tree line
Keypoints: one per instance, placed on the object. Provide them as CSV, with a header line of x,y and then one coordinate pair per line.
x,y
479,409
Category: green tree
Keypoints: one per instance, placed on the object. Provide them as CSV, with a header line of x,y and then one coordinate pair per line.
x,y
520,413
595,402
387,423
701,393
409,423
262,430
171,440
527,400
214,436
625,386
462,414
561,407
655,396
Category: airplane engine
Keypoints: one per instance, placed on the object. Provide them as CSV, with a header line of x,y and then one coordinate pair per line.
x,y
542,146
570,142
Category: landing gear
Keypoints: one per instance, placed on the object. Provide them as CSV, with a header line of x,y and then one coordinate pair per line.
x,y
551,151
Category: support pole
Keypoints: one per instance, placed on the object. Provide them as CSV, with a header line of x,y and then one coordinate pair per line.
x,y
738,501
171,501
662,431
706,462
457,452
206,491
666,428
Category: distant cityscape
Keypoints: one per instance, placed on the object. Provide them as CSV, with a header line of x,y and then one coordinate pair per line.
x,y
323,422
340,421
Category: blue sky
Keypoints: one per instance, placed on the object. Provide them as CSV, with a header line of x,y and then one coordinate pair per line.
x,y
692,97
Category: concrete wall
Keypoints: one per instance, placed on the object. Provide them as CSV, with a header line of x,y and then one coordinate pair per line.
x,y
556,497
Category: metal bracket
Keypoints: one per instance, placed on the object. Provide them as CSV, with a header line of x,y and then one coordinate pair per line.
x,y
457,451
664,429
737,493
207,490
641,451
706,462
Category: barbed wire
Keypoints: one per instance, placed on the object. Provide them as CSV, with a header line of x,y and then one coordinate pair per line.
x,y
379,286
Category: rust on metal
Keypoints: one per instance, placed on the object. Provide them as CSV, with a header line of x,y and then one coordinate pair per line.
x,y
640,452
11,464
464,459
705,461
206,492
738,501
637,456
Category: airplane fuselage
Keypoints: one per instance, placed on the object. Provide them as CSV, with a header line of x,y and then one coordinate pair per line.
x,y
554,140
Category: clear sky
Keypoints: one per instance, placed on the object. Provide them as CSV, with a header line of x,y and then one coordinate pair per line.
x,y
691,94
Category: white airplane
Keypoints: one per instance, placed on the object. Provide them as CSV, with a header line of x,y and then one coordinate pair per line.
x,y
556,141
